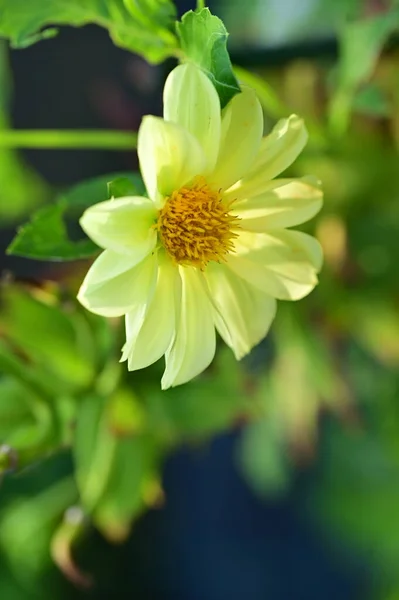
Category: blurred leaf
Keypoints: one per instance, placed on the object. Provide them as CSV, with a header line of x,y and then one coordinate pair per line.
x,y
203,39
142,28
93,449
357,498
372,102
211,403
303,379
27,424
360,45
84,194
112,470
134,467
8,459
152,14
263,457
26,526
45,238
13,408
124,186
374,323
32,378
67,348
125,414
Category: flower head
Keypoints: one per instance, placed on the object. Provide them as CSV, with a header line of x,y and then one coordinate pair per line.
x,y
209,248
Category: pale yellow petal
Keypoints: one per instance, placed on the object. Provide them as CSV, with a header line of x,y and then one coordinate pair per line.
x,y
277,152
242,313
242,129
170,156
190,100
113,287
150,330
194,345
123,225
291,202
282,263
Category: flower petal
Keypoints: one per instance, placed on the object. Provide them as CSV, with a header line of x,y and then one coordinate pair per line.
x,y
291,202
122,225
169,157
277,152
191,100
194,345
242,313
113,286
242,130
149,331
281,263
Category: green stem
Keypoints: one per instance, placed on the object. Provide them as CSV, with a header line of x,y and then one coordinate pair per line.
x,y
68,139
200,4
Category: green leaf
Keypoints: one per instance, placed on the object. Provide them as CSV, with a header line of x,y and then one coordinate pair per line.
x,y
97,189
263,458
113,466
203,39
126,186
45,237
67,349
210,404
93,449
143,27
27,525
371,101
152,13
360,45
134,468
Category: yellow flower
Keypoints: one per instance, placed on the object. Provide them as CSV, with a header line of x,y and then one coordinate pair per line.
x,y
209,248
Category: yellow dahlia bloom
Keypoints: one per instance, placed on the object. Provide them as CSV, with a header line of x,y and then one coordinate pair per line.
x,y
209,248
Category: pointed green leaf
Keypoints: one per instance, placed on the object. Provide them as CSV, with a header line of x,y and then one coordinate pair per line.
x,y
203,39
45,238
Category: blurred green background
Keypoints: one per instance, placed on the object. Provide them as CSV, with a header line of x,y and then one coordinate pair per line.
x,y
276,477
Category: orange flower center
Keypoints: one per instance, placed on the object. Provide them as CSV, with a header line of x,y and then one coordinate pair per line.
x,y
195,225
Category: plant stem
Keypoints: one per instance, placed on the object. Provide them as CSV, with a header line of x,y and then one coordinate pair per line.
x,y
200,4
68,139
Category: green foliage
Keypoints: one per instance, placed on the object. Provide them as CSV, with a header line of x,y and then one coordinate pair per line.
x,y
263,459
357,495
65,349
210,404
20,188
144,27
337,352
126,186
361,42
371,101
203,40
27,526
45,237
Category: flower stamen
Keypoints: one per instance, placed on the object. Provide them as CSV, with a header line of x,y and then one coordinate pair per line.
x,y
195,226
